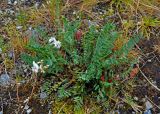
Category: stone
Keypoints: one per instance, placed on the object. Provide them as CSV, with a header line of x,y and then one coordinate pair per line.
x,y
148,105
11,54
5,80
50,112
9,2
147,112
26,100
37,4
26,107
19,27
29,111
136,98
15,2
43,95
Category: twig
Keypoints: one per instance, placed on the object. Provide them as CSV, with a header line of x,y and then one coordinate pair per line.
x,y
2,105
152,7
137,5
148,61
33,88
148,79
153,102
10,96
134,106
17,87
149,6
61,108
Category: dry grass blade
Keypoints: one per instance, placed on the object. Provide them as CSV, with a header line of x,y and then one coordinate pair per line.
x,y
148,80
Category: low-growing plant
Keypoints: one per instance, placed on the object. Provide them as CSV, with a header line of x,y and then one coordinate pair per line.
x,y
146,24
86,63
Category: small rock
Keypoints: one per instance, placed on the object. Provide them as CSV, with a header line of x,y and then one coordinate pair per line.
x,y
26,107
25,101
149,60
15,3
143,100
19,27
74,12
148,105
133,112
29,28
136,98
50,112
43,95
11,54
5,80
29,111
38,4
100,13
25,70
10,1
147,112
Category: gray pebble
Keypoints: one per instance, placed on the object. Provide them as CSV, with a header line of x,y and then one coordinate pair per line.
x,y
148,105
43,95
29,111
147,112
5,80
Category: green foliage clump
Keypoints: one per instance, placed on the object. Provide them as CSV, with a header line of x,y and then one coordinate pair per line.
x,y
79,66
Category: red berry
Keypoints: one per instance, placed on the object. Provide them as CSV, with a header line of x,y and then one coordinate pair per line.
x,y
134,72
103,78
78,35
110,80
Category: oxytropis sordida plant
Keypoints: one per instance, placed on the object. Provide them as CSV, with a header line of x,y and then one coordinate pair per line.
x,y
84,63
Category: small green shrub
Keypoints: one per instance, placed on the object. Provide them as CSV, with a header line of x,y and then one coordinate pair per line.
x,y
82,67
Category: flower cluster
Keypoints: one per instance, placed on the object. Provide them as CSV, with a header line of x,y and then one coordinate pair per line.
x,y
39,66
53,41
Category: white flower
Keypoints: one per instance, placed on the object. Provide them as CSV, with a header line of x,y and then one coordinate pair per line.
x,y
57,44
52,40
35,67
